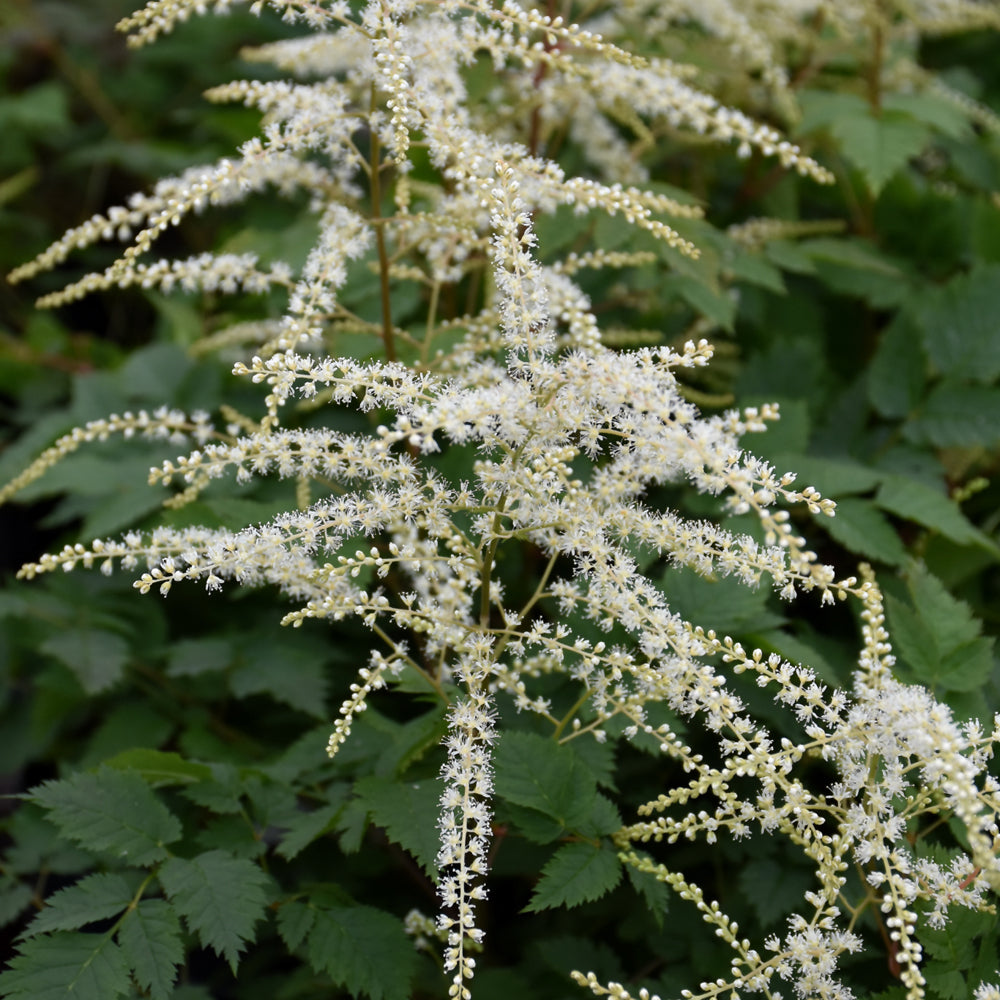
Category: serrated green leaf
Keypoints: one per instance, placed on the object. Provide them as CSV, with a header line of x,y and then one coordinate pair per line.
x,y
150,940
222,793
773,890
653,891
292,673
788,256
954,942
350,945
937,112
960,326
967,668
864,530
531,824
220,898
310,825
540,774
946,981
755,269
15,898
853,267
955,415
408,811
950,620
65,966
897,373
158,767
578,872
96,658
912,638
114,811
911,499
833,477
940,638
724,604
604,818
94,897
191,657
878,145
295,921
714,304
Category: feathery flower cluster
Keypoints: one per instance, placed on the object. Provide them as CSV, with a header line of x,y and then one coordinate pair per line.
x,y
565,441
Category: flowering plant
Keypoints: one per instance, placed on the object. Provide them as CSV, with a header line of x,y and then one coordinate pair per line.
x,y
511,497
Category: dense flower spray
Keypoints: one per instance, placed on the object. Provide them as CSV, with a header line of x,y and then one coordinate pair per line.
x,y
567,440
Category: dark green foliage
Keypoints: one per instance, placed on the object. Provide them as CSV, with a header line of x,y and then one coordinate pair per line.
x,y
180,834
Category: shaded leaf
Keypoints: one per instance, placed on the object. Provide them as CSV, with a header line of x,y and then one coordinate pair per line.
x,y
896,375
914,501
293,673
538,773
308,826
350,944
65,966
150,939
408,811
295,921
653,891
578,872
960,325
158,767
95,897
956,415
863,529
96,658
220,898
110,810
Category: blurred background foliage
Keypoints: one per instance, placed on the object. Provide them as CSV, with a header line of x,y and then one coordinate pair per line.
x,y
872,318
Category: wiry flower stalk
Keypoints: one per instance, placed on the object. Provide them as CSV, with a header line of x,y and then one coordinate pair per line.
x,y
566,446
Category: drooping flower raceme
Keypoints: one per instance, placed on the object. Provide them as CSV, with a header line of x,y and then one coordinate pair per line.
x,y
564,442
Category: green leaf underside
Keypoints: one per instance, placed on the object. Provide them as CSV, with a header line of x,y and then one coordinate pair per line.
x,y
350,945
577,873
220,897
113,811
95,897
150,939
67,966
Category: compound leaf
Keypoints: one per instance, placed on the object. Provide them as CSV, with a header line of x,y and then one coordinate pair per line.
x,y
65,966
350,944
150,939
955,415
864,530
959,325
220,897
96,658
578,872
914,501
408,811
110,810
94,897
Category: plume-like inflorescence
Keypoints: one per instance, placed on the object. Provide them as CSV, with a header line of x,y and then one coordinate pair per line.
x,y
412,176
